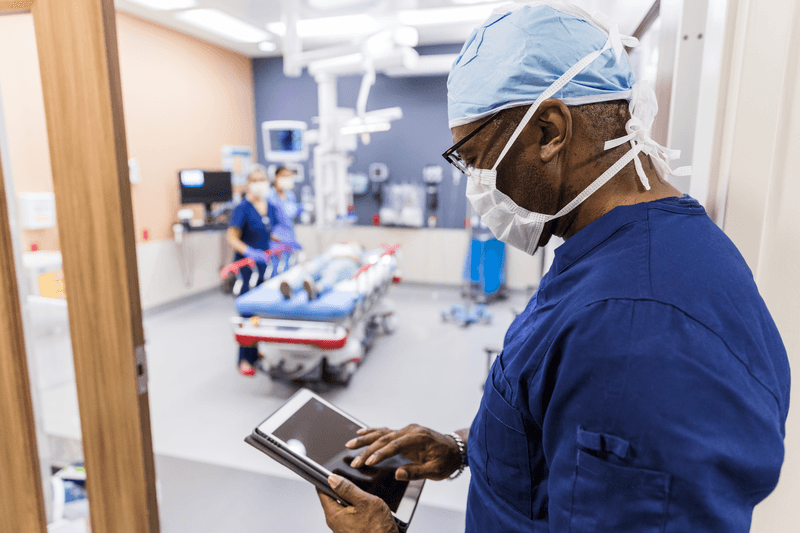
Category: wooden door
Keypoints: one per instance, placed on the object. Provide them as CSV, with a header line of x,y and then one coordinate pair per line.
x,y
79,63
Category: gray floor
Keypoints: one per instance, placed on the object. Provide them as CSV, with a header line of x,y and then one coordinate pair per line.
x,y
199,497
427,372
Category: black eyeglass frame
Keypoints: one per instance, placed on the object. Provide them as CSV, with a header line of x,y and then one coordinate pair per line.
x,y
451,154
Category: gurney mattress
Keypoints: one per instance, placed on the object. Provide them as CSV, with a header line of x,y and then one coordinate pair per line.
x,y
266,302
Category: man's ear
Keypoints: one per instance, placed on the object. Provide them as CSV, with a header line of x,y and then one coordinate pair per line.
x,y
555,121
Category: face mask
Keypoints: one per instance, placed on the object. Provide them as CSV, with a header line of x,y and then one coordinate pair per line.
x,y
259,189
521,228
285,184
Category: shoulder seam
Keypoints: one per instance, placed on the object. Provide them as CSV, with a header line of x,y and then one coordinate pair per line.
x,y
693,319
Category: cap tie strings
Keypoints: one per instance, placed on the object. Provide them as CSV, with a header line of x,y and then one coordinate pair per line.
x,y
643,109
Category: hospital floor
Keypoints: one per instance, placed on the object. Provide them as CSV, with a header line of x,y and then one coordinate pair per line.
x,y
428,372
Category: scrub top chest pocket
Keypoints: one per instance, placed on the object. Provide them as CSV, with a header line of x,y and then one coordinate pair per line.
x,y
636,499
508,469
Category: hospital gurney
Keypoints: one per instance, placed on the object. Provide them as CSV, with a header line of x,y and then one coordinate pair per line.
x,y
321,340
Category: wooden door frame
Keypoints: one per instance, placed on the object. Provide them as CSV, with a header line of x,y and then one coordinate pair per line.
x,y
22,506
79,62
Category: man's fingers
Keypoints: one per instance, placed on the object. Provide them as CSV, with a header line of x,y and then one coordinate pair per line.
x,y
390,449
329,505
418,471
376,441
347,490
382,448
366,438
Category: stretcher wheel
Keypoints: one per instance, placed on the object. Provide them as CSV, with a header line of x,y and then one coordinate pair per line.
x,y
389,323
228,283
340,375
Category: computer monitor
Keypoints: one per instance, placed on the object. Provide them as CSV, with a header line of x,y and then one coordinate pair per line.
x,y
284,140
205,187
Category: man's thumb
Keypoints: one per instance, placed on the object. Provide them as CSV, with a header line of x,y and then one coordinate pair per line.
x,y
413,471
344,488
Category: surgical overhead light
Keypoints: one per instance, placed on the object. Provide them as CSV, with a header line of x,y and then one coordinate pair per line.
x,y
357,129
406,36
165,5
222,24
267,46
446,15
345,25
385,41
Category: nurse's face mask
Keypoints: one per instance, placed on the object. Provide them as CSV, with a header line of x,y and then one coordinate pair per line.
x,y
259,189
285,183
521,228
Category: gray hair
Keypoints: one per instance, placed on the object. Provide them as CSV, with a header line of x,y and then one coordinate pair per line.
x,y
257,168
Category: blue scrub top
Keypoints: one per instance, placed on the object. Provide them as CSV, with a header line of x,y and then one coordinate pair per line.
x,y
644,389
255,227
286,211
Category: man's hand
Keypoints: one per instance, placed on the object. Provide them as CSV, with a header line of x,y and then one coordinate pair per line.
x,y
366,514
433,455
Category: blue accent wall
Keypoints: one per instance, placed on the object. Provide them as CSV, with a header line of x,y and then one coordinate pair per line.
x,y
414,142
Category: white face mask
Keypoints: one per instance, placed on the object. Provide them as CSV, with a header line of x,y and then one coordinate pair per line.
x,y
285,183
259,189
521,228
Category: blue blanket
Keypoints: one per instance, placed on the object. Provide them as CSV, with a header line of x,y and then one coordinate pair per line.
x,y
270,303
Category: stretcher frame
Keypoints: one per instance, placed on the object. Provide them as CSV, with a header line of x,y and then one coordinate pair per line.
x,y
320,337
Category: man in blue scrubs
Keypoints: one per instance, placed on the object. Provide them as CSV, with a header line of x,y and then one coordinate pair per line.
x,y
645,387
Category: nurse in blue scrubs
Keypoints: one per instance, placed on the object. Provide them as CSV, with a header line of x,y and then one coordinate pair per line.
x,y
645,388
282,196
250,235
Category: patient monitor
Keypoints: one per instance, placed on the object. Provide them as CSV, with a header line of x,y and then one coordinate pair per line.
x,y
285,141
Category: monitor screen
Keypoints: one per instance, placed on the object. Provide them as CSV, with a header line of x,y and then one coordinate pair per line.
x,y
286,140
204,187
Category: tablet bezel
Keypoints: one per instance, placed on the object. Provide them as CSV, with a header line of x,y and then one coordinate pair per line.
x,y
264,434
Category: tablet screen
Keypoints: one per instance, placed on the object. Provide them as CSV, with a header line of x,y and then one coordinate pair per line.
x,y
320,433
317,432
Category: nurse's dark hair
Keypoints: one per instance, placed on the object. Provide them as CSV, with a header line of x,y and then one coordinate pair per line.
x,y
280,168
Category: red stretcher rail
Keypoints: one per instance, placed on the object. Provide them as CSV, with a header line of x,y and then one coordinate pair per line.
x,y
234,267
388,249
322,344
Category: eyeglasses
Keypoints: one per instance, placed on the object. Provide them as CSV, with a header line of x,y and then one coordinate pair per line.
x,y
453,157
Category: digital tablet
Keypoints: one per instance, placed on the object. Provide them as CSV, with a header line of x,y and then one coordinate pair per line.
x,y
307,434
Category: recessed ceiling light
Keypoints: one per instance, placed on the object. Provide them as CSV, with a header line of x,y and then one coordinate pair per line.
x,y
165,5
344,25
267,46
339,4
224,25
446,15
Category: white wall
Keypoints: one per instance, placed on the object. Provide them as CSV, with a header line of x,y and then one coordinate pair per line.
x,y
756,153
169,271
427,255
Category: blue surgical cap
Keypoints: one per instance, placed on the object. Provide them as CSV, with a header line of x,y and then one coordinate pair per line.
x,y
515,55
